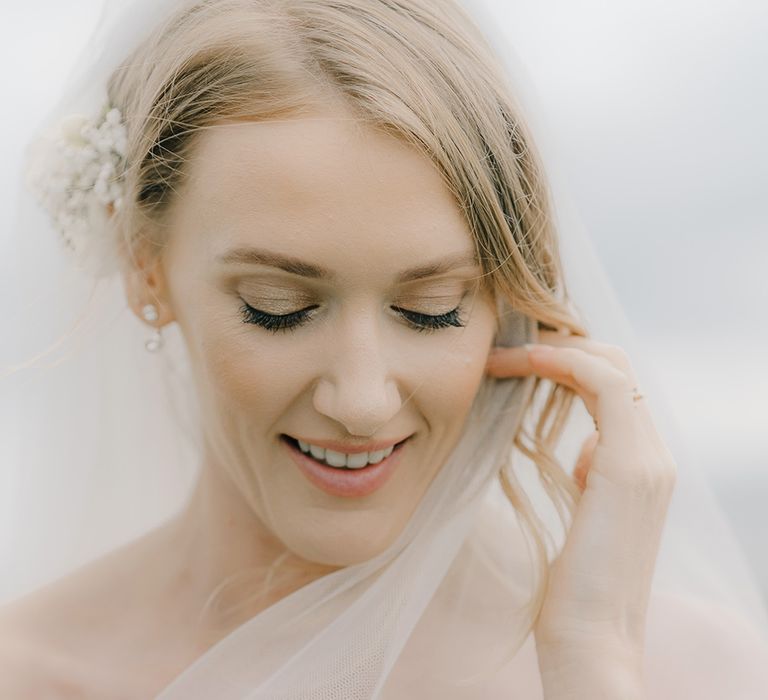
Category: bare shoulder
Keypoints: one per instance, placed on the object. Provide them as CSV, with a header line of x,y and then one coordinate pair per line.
x,y
58,640
17,673
29,667
463,622
698,649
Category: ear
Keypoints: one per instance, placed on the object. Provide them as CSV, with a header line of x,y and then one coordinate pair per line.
x,y
145,282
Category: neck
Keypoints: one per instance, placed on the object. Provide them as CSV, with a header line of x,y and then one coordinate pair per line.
x,y
228,563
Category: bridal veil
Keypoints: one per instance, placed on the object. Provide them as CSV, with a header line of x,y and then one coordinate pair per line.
x,y
99,444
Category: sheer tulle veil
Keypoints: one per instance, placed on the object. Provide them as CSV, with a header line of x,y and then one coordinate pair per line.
x,y
98,444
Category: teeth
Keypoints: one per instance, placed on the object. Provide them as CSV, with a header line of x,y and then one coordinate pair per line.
x,y
358,461
335,459
376,457
341,459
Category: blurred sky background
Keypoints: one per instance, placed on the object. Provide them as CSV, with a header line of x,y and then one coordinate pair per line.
x,y
661,107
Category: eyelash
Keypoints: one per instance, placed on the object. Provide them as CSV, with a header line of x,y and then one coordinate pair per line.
x,y
424,323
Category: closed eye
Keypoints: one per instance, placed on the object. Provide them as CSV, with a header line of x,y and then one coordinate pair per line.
x,y
427,322
275,322
284,322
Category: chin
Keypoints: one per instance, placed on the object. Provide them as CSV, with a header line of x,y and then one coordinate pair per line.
x,y
342,540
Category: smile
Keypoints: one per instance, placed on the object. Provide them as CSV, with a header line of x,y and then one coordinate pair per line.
x,y
344,459
323,467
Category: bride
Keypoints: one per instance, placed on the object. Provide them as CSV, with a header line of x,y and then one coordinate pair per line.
x,y
340,210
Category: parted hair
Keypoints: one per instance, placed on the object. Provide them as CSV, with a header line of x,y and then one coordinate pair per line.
x,y
422,71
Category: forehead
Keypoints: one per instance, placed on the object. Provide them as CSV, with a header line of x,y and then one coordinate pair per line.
x,y
322,186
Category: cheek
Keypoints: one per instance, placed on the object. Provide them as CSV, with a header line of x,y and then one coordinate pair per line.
x,y
451,378
240,376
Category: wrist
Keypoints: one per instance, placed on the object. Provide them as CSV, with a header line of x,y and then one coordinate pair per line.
x,y
575,671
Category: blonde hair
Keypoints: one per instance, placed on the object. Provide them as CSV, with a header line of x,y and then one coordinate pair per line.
x,y
416,68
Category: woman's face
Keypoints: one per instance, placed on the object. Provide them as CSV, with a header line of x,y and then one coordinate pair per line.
x,y
308,260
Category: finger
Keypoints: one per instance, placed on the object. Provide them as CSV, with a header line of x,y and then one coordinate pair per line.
x,y
616,355
603,387
513,361
613,353
557,364
516,362
626,425
509,362
526,359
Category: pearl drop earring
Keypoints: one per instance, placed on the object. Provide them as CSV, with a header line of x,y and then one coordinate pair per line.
x,y
150,314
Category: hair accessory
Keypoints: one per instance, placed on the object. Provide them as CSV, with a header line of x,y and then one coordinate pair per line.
x,y
464,564
75,172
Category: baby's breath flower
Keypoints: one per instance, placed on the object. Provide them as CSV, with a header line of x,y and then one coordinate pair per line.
x,y
76,174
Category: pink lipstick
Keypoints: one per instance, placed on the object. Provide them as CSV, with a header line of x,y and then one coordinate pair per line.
x,y
344,482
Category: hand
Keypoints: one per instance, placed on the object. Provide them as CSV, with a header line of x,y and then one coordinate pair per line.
x,y
596,601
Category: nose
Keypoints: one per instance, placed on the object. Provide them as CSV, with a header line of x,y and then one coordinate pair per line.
x,y
358,388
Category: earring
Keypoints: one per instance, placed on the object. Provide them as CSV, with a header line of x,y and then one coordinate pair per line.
x,y
150,314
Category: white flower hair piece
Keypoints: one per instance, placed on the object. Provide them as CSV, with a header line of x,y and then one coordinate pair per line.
x,y
76,174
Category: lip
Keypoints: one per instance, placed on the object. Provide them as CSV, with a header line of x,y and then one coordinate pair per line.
x,y
352,483
352,449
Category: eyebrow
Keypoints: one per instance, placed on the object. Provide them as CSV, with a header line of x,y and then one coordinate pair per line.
x,y
258,256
